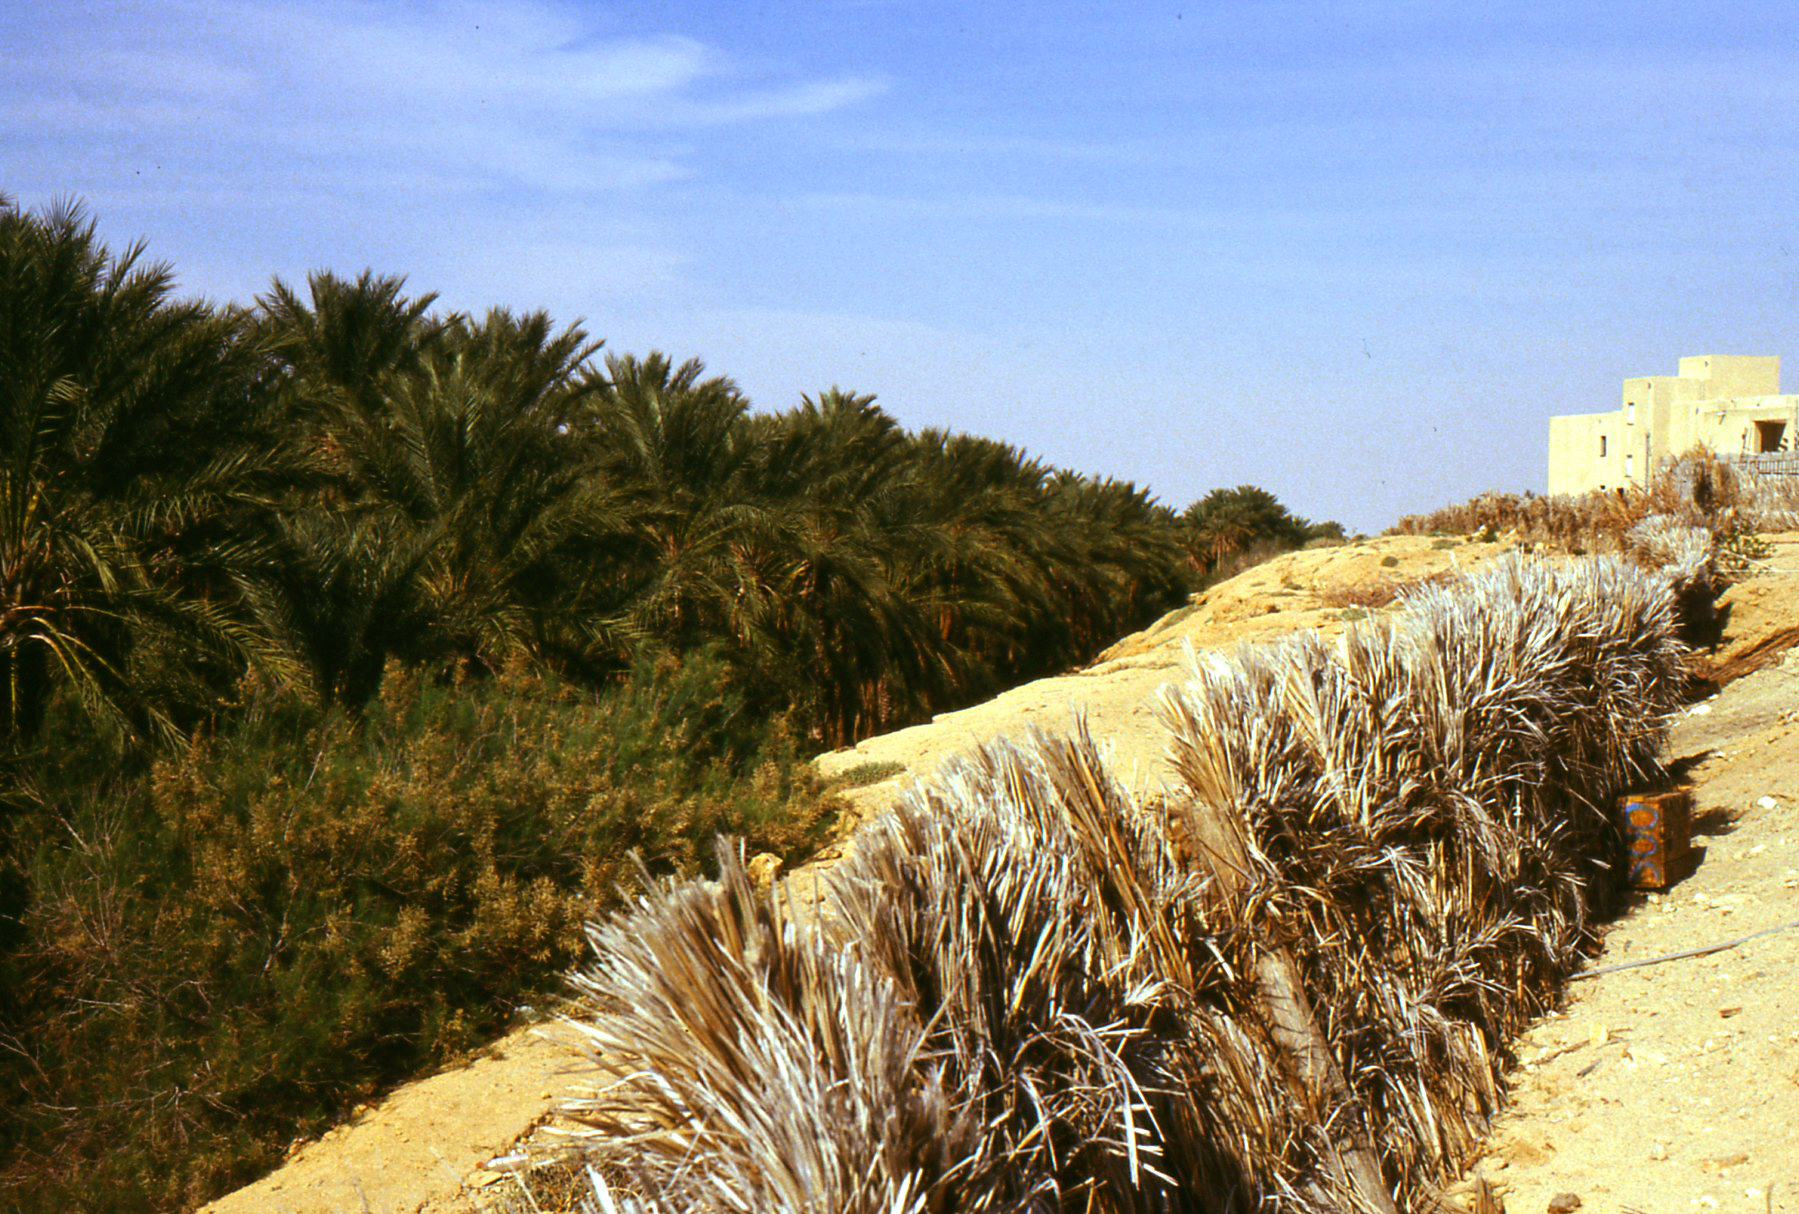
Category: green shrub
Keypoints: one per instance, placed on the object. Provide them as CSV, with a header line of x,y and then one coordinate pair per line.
x,y
1738,550
236,945
864,774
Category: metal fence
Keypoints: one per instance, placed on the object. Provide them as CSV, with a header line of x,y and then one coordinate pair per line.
x,y
1773,463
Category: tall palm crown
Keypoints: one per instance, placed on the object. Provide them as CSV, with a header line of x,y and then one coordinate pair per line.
x,y
134,438
455,479
671,446
1229,523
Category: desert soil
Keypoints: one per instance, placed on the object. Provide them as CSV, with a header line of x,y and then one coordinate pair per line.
x,y
1665,1088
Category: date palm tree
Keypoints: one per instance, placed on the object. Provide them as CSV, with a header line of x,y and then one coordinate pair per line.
x,y
671,446
479,449
1227,525
844,632
135,443
338,589
1117,563
343,343
454,493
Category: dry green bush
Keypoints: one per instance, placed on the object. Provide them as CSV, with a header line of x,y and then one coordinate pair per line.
x,y
241,943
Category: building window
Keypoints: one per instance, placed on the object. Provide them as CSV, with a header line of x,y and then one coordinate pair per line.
x,y
1602,446
1630,412
1768,435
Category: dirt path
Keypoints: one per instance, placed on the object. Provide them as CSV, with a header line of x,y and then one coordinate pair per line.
x,y
422,1150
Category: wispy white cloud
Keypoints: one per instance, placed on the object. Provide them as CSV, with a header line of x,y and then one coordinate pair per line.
x,y
520,92
522,148
802,100
979,142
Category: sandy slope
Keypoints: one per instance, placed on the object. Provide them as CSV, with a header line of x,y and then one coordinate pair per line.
x,y
1311,589
423,1148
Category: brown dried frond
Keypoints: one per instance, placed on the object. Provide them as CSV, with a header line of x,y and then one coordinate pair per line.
x,y
1425,805
1045,927
747,1064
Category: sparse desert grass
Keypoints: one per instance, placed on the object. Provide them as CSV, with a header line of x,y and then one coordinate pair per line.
x,y
1697,490
1363,594
1382,592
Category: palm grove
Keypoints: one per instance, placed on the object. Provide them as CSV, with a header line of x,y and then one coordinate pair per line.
x,y
348,644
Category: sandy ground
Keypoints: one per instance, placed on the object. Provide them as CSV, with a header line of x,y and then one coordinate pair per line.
x,y
1682,1104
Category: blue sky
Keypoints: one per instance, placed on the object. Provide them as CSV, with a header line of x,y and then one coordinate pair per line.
x,y
1356,253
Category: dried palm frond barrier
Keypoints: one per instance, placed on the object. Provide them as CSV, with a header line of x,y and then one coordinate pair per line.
x,y
992,1021
1689,557
1289,986
754,1067
1428,811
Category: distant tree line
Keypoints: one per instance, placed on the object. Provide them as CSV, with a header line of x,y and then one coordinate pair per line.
x,y
337,478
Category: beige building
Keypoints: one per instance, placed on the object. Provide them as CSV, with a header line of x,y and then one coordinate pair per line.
x,y
1729,403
